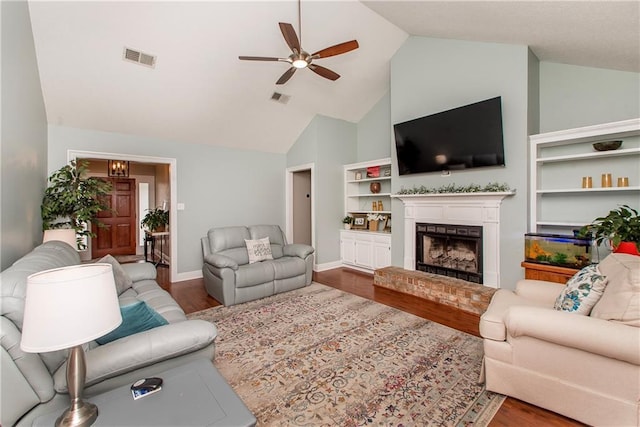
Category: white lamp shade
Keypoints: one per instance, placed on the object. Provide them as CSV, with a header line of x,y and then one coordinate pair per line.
x,y
67,235
69,306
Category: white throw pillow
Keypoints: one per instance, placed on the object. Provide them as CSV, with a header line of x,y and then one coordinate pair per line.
x,y
258,250
122,279
582,291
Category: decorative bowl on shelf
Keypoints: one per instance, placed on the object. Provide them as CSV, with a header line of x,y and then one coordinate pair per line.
x,y
607,145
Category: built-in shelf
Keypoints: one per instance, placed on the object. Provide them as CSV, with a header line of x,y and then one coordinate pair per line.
x,y
358,198
362,248
561,224
370,195
588,190
380,178
562,158
590,156
368,212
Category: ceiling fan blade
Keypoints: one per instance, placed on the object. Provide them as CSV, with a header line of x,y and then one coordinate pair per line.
x,y
324,72
337,49
290,36
260,58
286,76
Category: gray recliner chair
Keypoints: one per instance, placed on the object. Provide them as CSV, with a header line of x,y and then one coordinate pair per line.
x,y
231,279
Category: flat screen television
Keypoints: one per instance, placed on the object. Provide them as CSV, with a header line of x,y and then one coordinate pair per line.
x,y
462,138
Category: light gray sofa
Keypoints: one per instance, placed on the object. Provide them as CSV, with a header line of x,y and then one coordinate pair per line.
x,y
34,384
231,279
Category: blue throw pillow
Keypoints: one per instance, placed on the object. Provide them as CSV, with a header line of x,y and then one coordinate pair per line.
x,y
137,317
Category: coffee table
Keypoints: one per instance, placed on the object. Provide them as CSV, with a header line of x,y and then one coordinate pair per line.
x,y
194,394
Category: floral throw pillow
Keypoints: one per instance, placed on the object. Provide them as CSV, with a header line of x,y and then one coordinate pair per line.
x,y
258,250
582,291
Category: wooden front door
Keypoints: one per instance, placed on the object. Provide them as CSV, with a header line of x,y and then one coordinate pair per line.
x,y
118,236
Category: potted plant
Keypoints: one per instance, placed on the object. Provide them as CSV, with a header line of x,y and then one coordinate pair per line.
x,y
155,220
621,228
347,220
72,200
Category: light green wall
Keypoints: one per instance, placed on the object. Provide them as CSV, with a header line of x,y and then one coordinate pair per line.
x,y
375,132
432,75
24,136
219,186
573,96
329,144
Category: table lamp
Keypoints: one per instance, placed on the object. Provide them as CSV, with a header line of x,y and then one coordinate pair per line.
x,y
67,235
65,308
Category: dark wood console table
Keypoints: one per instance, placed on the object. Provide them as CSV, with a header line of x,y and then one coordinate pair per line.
x,y
150,239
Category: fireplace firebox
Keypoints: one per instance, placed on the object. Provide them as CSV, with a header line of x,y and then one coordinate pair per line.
x,y
450,250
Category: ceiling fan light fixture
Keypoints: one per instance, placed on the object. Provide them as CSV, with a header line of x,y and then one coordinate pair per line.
x,y
300,63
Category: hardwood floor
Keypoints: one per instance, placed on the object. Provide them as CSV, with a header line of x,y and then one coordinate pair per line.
x,y
192,296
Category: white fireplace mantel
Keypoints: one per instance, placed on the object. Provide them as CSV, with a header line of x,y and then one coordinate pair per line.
x,y
481,209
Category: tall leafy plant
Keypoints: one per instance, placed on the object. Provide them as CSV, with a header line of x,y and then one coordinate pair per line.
x,y
73,199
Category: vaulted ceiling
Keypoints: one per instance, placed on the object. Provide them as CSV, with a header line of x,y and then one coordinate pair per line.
x,y
199,92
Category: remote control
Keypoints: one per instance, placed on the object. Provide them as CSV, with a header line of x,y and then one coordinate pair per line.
x,y
145,387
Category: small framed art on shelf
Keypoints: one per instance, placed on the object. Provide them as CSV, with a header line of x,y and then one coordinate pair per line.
x,y
359,222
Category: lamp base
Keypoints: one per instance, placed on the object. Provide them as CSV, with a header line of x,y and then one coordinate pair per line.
x,y
82,414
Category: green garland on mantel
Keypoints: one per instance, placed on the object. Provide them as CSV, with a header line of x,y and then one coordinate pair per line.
x,y
492,187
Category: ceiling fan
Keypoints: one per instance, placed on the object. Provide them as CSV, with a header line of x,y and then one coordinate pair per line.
x,y
300,58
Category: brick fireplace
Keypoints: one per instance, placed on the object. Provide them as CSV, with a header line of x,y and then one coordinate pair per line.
x,y
477,213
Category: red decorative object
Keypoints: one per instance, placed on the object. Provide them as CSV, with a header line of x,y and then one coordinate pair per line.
x,y
627,248
373,171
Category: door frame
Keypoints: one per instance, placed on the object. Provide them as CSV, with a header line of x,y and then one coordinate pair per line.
x,y
289,203
173,188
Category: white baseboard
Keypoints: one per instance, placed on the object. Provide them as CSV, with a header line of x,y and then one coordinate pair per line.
x,y
327,266
189,275
354,267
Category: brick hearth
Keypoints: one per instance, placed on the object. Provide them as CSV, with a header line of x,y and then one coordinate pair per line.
x,y
457,293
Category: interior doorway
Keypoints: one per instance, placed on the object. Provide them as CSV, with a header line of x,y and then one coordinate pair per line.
x,y
300,206
169,167
301,199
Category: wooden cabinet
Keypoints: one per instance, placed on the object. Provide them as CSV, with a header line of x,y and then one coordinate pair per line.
x,y
365,250
549,273
560,160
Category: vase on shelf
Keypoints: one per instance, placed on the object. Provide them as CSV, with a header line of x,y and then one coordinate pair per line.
x,y
373,225
375,187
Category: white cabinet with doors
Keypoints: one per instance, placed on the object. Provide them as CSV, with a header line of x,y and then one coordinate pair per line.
x,y
365,250
559,162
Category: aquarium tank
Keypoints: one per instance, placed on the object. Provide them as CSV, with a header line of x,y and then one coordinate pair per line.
x,y
557,249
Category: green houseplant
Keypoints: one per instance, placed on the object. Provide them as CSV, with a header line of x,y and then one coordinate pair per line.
x,y
73,199
621,228
347,220
155,220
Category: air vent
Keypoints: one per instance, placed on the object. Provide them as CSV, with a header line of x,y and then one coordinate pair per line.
x,y
138,57
280,97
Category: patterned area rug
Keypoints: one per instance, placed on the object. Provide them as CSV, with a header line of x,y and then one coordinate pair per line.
x,y
318,356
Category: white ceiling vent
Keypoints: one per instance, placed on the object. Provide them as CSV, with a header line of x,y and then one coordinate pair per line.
x,y
138,57
280,97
